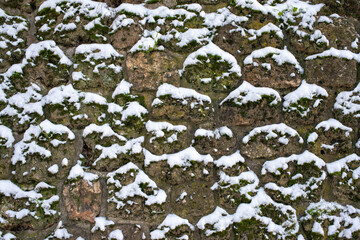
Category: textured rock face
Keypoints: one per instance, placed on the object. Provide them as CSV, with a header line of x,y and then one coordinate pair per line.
x,y
149,71
179,119
82,200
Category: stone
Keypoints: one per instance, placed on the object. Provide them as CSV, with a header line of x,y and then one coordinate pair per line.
x,y
147,71
239,46
282,77
343,73
254,113
217,147
82,200
126,37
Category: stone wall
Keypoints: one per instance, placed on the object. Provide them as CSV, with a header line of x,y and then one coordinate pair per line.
x,y
179,120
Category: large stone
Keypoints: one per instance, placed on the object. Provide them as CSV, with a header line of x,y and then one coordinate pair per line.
x,y
146,71
126,37
254,113
82,200
279,77
332,73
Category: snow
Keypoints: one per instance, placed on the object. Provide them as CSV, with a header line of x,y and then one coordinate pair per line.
x,y
122,88
54,169
48,127
312,137
6,134
246,93
159,129
324,19
299,189
193,34
97,51
212,49
105,130
280,56
270,27
158,196
181,159
333,52
348,102
217,133
334,124
171,222
304,91
317,228
101,223
20,214
220,220
8,189
116,234
181,93
7,236
192,7
343,221
221,17
120,22
24,104
93,98
62,27
33,51
355,43
132,146
245,183
273,131
133,109
77,171
282,162
343,165
229,161
10,30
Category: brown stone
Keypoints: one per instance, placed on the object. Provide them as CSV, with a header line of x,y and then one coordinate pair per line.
x,y
250,114
147,71
333,73
240,46
175,110
334,138
126,37
279,77
82,200
216,147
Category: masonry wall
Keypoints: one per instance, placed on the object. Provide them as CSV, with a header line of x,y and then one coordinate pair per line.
x,y
179,120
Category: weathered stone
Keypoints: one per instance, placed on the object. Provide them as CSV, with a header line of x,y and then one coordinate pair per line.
x,y
191,206
254,113
129,231
82,200
126,37
210,74
297,181
192,110
332,144
23,212
144,202
98,69
320,218
332,73
217,147
239,46
174,139
315,114
146,71
279,77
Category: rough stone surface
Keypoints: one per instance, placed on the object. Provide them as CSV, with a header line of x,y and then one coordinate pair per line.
x,y
82,200
147,71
